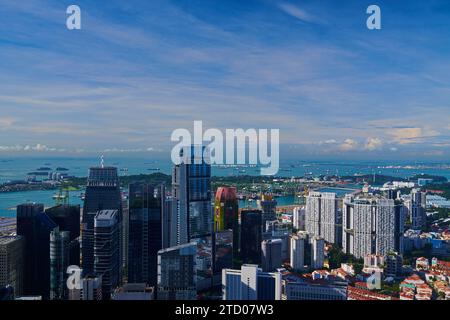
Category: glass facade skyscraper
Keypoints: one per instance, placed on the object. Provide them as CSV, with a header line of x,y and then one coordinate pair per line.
x,y
145,232
191,189
102,193
35,226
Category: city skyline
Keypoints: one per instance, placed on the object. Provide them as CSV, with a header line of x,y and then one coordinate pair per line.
x,y
334,88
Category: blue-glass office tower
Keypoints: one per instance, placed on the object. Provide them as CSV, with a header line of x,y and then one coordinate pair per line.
x,y
102,193
191,190
146,205
35,226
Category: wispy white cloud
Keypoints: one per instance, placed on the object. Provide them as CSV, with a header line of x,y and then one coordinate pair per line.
x,y
299,13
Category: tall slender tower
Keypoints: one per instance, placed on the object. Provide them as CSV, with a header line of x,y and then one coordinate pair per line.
x,y
226,215
323,217
191,190
417,209
145,232
107,261
102,193
35,226
371,225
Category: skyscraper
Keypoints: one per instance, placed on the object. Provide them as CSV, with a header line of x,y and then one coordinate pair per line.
x,y
169,223
226,209
417,209
35,226
370,225
251,283
226,214
107,244
12,263
145,232
59,261
271,254
90,289
323,217
250,236
298,247
176,273
268,207
298,218
191,191
317,252
102,193
67,217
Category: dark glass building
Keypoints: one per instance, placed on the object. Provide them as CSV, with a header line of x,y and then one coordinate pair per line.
x,y
251,236
35,226
102,193
145,232
67,217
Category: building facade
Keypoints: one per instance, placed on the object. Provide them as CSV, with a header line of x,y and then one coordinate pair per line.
x,y
12,263
102,193
107,244
251,236
145,232
271,254
323,216
177,273
371,225
250,283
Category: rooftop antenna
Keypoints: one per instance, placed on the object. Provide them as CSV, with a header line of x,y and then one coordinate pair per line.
x,y
102,161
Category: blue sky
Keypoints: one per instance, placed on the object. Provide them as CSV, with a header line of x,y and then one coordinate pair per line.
x,y
140,69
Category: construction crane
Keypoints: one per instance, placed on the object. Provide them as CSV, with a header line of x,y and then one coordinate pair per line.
x,y
62,197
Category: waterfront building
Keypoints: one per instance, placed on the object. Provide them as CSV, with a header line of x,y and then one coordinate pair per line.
x,y
250,283
177,273
12,261
107,244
